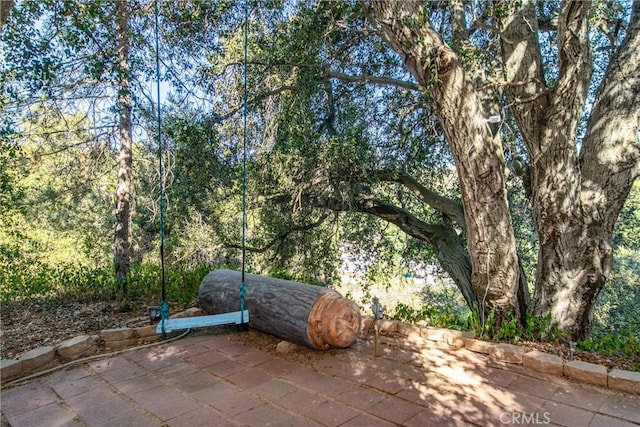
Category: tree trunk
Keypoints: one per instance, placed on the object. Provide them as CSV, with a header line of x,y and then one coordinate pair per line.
x,y
122,235
455,260
5,8
570,279
477,153
574,272
317,317
576,199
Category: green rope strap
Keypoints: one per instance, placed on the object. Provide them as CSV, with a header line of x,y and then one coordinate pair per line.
x,y
164,307
243,286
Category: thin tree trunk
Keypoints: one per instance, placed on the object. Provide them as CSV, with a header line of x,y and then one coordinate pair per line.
x,y
122,236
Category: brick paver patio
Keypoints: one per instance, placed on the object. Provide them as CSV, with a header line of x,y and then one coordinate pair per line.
x,y
214,380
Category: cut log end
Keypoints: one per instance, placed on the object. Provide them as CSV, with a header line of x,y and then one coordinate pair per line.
x,y
333,322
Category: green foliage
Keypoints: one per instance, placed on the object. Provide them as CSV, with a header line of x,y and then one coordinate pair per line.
x,y
509,330
618,305
470,54
479,328
30,278
475,323
26,280
499,10
11,192
539,328
182,284
434,316
623,343
536,328
60,211
627,229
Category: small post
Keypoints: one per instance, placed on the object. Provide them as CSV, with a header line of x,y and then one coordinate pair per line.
x,y
377,309
153,314
572,349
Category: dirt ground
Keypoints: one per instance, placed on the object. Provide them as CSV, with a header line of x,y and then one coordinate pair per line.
x,y
26,326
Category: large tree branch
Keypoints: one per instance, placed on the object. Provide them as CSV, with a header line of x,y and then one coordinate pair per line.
x,y
459,22
321,178
5,8
443,204
574,54
448,245
442,237
523,70
635,12
610,153
327,73
404,219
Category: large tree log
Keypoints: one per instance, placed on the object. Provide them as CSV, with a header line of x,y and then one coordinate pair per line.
x,y
314,316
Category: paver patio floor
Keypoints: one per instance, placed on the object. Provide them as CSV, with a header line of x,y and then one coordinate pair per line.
x,y
209,379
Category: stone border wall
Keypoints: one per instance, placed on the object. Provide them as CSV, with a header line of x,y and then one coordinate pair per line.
x,y
409,335
393,333
43,358
107,340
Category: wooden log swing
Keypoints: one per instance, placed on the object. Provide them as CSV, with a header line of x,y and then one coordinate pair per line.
x,y
313,316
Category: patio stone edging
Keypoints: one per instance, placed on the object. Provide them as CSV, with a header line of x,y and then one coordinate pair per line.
x,y
396,332
43,358
616,379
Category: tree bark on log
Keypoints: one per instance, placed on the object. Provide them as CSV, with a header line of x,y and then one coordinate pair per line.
x,y
314,316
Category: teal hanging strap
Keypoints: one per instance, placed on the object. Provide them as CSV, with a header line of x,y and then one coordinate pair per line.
x,y
243,286
238,317
164,307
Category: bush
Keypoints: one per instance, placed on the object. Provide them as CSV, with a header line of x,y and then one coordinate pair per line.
x,y
28,279
623,343
618,305
434,316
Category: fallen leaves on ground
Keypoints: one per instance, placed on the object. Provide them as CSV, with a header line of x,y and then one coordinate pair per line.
x,y
28,325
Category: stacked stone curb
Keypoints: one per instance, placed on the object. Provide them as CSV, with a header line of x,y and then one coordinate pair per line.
x,y
392,333
107,340
586,372
627,381
543,362
403,334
